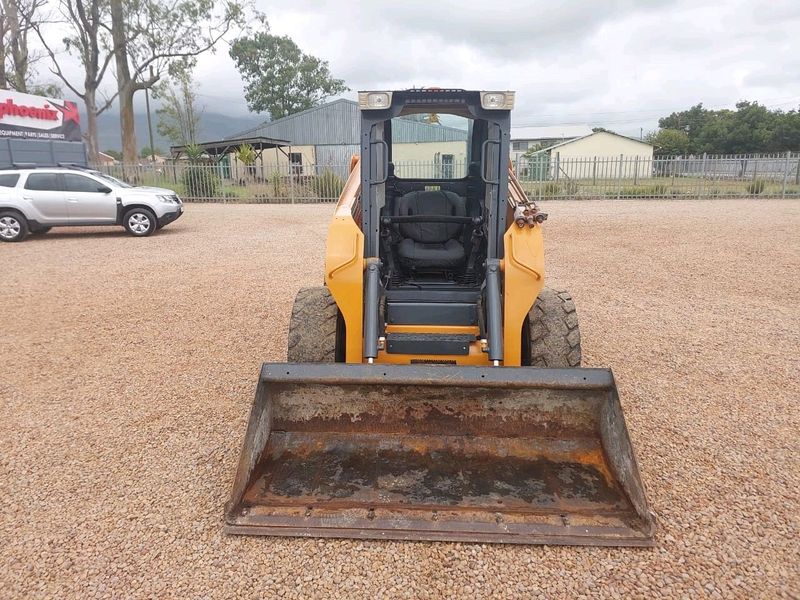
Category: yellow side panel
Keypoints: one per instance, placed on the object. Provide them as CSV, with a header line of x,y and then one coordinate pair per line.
x,y
523,268
344,264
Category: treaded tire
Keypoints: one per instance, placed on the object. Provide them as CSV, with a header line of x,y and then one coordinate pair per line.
x,y
13,220
316,329
144,216
552,337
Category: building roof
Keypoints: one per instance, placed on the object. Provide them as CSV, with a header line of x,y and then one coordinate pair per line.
x,y
232,144
550,132
564,143
338,123
333,123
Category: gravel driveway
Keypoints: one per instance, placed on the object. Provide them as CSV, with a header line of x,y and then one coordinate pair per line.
x,y
129,366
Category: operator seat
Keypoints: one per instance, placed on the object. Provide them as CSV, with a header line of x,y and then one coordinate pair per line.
x,y
431,245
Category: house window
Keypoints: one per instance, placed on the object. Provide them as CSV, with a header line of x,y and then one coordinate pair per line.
x,y
520,146
296,162
447,166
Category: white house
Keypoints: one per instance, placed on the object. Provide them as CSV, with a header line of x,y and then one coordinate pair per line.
x,y
523,138
597,155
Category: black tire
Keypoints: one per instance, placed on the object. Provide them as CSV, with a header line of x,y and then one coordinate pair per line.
x,y
551,337
140,222
40,230
316,329
13,226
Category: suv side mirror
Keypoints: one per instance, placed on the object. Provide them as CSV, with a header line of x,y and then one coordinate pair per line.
x,y
103,189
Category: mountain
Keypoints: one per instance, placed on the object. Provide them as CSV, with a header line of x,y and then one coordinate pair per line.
x,y
213,126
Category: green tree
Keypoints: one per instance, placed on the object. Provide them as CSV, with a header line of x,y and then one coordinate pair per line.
x,y
115,154
246,155
751,128
87,40
669,142
179,115
279,78
152,38
147,152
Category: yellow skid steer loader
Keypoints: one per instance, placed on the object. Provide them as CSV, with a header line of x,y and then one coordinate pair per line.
x,y
433,389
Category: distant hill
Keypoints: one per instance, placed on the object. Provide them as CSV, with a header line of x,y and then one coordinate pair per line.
x,y
213,126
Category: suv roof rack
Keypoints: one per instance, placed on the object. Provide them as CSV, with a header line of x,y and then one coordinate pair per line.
x,y
72,165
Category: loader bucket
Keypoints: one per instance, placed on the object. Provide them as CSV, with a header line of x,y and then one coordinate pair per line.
x,y
427,452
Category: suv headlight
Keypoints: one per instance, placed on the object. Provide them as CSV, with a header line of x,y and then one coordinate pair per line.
x,y
168,199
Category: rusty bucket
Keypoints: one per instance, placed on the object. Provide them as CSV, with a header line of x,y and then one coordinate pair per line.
x,y
424,452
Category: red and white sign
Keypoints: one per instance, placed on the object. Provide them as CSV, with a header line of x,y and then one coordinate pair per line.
x,y
25,116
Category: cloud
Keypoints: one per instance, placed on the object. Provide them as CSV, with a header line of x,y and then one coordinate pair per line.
x,y
620,63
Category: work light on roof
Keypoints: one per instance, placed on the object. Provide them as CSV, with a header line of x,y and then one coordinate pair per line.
x,y
374,100
497,100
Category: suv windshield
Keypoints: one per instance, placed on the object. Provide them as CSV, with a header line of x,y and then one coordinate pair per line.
x,y
113,180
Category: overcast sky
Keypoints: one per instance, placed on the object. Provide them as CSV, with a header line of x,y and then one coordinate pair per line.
x,y
620,64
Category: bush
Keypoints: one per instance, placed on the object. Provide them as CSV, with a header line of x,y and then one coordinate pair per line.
x,y
644,191
200,181
756,187
327,185
550,189
276,186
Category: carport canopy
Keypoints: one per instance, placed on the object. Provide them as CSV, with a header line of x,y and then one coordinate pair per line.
x,y
221,148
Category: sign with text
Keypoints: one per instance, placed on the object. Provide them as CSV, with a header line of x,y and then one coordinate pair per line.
x,y
24,116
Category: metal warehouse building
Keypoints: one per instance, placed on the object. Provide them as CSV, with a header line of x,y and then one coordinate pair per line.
x,y
328,135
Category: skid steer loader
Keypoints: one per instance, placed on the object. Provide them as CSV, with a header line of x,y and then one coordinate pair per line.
x,y
432,390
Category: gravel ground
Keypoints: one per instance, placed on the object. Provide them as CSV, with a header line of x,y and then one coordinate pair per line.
x,y
130,366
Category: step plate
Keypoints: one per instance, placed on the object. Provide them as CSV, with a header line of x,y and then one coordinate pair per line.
x,y
429,343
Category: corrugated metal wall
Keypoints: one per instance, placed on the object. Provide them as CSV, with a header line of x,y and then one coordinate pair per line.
x,y
409,132
336,157
336,123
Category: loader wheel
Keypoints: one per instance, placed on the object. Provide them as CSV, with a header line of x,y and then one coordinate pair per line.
x,y
550,336
316,329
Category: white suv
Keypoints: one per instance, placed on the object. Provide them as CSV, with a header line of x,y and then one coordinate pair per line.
x,y
32,200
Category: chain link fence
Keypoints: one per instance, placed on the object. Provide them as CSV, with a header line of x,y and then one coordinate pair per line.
x,y
543,176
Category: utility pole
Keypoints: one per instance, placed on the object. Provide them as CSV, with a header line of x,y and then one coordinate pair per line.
x,y
149,121
641,133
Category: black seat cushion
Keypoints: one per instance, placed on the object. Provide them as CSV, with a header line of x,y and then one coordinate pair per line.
x,y
450,254
431,245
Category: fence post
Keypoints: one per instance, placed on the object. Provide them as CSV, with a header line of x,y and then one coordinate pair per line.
x,y
619,177
755,175
701,183
594,172
797,172
785,173
636,171
558,165
291,181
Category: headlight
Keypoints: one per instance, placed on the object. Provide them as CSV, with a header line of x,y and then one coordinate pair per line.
x,y
374,100
168,199
497,100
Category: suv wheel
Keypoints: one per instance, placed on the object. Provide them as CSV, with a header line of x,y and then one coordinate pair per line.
x,y
139,222
13,226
